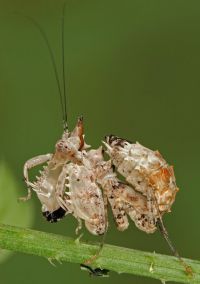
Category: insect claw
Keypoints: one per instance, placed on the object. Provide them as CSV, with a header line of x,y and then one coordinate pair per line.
x,y
96,272
25,198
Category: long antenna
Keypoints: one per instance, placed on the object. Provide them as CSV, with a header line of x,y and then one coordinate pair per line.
x,y
44,37
63,68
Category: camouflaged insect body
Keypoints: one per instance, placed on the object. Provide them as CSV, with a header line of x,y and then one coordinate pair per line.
x,y
51,180
79,181
146,171
96,173
85,197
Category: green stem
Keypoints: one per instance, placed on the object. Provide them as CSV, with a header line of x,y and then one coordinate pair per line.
x,y
118,259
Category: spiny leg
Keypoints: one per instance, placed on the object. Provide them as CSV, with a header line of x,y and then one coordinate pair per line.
x,y
38,160
164,233
79,227
62,196
116,193
160,225
105,177
94,257
62,202
117,207
86,197
124,200
135,205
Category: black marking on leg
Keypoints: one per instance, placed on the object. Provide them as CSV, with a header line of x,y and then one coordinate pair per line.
x,y
113,140
54,216
96,272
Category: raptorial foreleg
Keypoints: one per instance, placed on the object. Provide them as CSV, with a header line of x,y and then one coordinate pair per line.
x,y
62,195
36,161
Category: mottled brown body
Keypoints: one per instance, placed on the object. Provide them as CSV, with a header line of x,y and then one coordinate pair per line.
x,y
146,172
79,181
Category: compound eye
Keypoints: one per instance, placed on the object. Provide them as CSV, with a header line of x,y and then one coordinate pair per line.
x,y
66,146
59,144
110,138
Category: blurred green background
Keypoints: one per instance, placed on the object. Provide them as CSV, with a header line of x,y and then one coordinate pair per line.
x,y
133,70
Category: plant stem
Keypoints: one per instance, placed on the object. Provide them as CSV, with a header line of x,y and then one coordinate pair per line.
x,y
118,259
